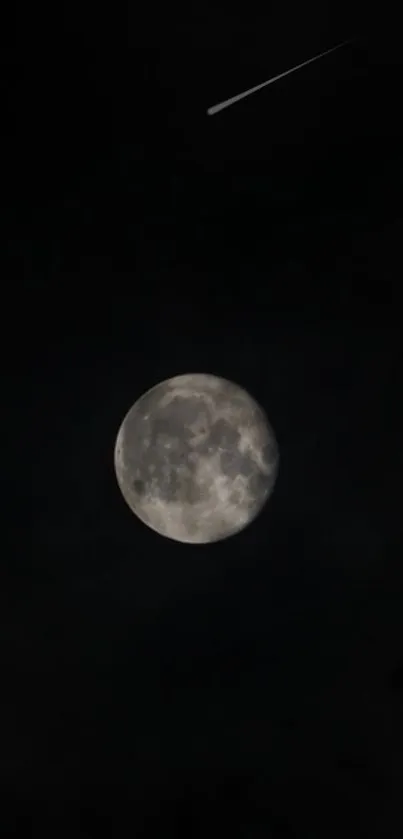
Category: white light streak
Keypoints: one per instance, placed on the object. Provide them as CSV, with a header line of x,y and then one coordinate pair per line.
x,y
220,107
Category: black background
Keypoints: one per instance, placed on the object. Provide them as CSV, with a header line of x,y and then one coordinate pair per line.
x,y
252,688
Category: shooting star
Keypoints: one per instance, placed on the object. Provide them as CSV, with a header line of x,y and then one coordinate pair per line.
x,y
220,107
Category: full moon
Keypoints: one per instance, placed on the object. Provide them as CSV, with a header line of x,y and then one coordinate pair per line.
x,y
196,458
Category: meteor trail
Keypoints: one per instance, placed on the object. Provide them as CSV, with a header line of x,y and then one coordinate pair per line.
x,y
220,107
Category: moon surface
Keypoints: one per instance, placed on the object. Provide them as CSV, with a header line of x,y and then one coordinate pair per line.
x,y
196,458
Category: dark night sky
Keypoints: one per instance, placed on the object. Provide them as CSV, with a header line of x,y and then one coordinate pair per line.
x,y
252,688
